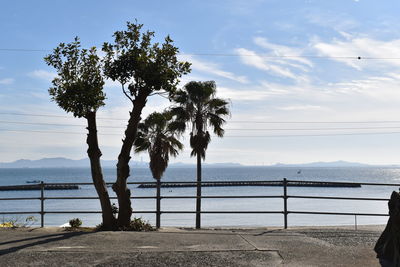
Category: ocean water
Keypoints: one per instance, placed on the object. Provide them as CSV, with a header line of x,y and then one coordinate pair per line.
x,y
78,175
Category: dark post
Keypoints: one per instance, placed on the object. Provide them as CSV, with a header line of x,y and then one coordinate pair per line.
x,y
158,204
41,204
198,193
285,212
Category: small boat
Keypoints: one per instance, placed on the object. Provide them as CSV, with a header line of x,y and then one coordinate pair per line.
x,y
299,172
33,182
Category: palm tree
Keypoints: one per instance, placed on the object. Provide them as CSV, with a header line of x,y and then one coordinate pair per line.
x,y
157,135
198,107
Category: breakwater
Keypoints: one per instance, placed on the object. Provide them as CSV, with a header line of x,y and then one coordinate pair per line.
x,y
251,183
38,187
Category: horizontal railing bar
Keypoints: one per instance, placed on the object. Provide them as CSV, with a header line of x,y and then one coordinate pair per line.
x,y
72,198
205,197
338,198
235,181
338,182
177,197
172,211
210,182
19,212
144,197
239,181
222,212
21,198
337,213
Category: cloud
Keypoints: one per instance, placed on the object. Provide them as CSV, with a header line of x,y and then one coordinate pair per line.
x,y
301,107
251,58
43,75
212,68
281,50
278,60
377,53
7,81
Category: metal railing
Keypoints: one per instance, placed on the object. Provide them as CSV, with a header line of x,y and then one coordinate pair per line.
x,y
158,197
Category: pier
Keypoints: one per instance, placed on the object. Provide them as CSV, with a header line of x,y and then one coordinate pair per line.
x,y
39,187
255,183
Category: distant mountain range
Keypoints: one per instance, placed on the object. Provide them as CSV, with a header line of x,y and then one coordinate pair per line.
x,y
71,163
339,163
84,163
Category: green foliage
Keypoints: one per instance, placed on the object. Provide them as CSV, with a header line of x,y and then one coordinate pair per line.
x,y
197,106
14,223
157,135
145,67
78,87
75,223
138,224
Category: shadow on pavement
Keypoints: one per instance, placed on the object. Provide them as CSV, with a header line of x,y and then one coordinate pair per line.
x,y
47,239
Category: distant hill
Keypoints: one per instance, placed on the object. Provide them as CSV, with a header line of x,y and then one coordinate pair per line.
x,y
339,163
58,163
84,163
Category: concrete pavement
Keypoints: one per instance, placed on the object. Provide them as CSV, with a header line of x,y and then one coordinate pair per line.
x,y
188,247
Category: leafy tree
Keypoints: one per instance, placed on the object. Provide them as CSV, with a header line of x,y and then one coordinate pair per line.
x,y
157,135
78,88
198,108
143,68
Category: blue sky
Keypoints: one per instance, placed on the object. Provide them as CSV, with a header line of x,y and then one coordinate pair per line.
x,y
289,68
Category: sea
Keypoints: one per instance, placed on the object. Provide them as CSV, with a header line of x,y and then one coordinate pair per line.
x,y
335,174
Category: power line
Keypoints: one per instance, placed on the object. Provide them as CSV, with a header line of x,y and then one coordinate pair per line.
x,y
53,116
232,55
24,50
58,124
317,122
233,121
228,136
227,129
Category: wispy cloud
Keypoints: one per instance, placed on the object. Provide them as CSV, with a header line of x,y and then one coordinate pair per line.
x,y
213,68
347,51
281,50
43,75
278,60
301,107
6,81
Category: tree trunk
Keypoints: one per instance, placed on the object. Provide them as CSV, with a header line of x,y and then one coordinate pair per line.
x,y
94,153
198,199
120,186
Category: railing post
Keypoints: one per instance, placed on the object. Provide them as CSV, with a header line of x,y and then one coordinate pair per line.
x,y
355,222
285,212
158,204
41,204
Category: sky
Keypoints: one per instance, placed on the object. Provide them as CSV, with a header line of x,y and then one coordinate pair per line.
x,y
306,80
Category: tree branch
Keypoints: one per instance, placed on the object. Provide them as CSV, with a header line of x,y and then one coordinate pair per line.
x,y
126,94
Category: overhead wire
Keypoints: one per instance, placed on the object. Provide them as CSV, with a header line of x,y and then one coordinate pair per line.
x,y
227,129
227,136
230,121
232,55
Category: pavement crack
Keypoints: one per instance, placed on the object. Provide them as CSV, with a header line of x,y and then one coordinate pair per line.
x,y
248,242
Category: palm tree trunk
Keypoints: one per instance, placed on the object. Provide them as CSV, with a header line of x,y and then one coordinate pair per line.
x,y
198,199
158,204
94,153
120,186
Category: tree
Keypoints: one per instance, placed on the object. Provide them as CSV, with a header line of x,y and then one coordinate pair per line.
x,y
157,135
78,88
197,106
144,69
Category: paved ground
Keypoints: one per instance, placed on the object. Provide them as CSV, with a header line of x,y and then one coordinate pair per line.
x,y
180,247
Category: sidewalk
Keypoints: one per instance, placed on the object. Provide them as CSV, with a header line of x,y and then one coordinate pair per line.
x,y
180,247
